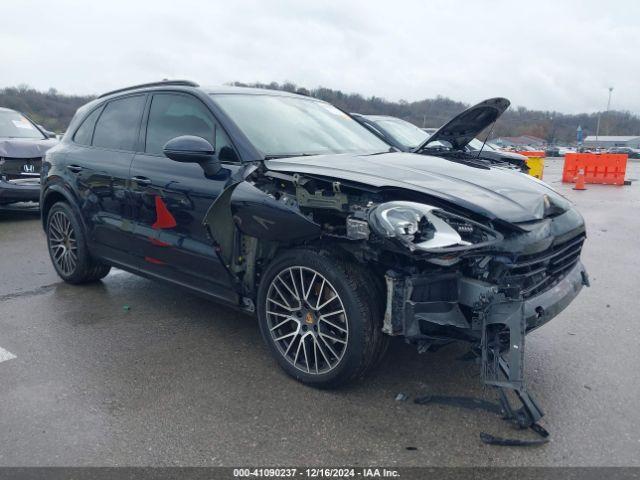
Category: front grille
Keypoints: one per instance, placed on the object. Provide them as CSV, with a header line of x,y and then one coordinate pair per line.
x,y
540,271
12,167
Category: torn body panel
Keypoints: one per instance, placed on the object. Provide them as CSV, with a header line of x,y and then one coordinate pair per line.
x,y
259,215
248,225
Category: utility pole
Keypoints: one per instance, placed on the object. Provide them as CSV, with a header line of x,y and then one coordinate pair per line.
x,y
600,115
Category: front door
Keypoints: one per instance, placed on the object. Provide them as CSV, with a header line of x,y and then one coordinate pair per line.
x,y
173,198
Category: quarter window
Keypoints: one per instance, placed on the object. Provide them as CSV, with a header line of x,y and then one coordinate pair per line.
x,y
85,132
117,127
172,115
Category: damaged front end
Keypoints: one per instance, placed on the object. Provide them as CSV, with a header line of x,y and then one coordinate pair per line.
x,y
492,299
450,274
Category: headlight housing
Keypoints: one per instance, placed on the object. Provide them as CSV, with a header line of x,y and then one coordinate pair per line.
x,y
424,227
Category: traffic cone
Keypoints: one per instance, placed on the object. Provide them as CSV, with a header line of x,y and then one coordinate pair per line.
x,y
580,181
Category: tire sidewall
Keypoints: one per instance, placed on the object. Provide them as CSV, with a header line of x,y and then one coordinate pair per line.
x,y
328,267
83,255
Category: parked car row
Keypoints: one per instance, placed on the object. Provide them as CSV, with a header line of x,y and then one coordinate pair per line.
x,y
630,152
287,208
562,151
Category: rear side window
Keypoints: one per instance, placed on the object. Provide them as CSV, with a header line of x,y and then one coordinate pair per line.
x,y
85,132
117,127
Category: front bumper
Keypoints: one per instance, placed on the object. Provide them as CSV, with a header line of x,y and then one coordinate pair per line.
x,y
20,190
433,306
545,306
458,308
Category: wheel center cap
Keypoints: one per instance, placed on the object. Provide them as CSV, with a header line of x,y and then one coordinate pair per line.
x,y
309,318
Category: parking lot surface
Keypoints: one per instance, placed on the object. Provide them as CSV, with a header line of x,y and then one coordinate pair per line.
x,y
132,372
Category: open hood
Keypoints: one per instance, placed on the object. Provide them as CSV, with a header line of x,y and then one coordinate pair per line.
x,y
464,127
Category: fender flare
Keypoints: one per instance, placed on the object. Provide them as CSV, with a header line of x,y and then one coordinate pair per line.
x,y
58,187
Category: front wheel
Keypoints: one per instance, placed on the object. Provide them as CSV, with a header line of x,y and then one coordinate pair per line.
x,y
321,317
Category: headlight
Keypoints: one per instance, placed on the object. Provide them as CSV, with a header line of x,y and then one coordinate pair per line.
x,y
424,227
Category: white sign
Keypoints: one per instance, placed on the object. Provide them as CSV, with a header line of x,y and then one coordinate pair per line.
x,y
23,123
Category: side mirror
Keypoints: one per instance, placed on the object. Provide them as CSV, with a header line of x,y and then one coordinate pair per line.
x,y
46,132
192,149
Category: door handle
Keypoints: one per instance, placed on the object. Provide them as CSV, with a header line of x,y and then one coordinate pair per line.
x,y
74,168
141,180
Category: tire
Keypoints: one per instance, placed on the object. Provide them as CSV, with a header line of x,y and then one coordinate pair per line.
x,y
66,242
311,340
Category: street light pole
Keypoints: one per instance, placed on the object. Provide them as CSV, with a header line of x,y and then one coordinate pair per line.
x,y
600,115
609,103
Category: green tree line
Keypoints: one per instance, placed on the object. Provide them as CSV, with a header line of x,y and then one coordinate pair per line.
x,y
50,109
54,111
554,127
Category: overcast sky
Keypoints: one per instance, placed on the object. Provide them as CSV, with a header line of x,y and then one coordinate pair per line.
x,y
557,55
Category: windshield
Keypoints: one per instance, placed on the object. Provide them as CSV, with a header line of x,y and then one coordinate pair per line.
x,y
15,125
405,133
290,126
476,145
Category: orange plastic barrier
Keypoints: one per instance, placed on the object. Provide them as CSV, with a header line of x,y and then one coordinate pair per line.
x,y
604,168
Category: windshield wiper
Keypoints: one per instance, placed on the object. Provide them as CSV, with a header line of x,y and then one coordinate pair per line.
x,y
391,150
289,155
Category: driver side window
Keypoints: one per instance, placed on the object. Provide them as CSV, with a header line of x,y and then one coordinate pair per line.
x,y
173,115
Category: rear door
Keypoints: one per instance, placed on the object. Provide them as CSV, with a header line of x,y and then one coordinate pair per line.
x,y
171,199
101,168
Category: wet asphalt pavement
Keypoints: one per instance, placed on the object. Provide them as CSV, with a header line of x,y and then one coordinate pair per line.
x,y
132,372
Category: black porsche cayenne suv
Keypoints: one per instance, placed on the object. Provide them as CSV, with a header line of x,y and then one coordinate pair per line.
x,y
284,206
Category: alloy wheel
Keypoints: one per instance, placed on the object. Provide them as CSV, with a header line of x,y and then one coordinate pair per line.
x,y
62,242
307,320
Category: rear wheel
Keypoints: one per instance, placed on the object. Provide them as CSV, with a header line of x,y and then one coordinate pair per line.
x,y
68,249
320,317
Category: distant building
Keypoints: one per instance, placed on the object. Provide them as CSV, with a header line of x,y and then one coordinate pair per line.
x,y
521,141
608,141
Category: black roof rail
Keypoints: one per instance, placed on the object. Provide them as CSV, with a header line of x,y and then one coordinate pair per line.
x,y
183,83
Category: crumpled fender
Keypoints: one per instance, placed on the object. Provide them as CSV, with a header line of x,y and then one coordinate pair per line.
x,y
245,208
257,214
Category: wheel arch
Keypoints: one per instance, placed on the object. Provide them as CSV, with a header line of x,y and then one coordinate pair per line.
x,y
52,194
